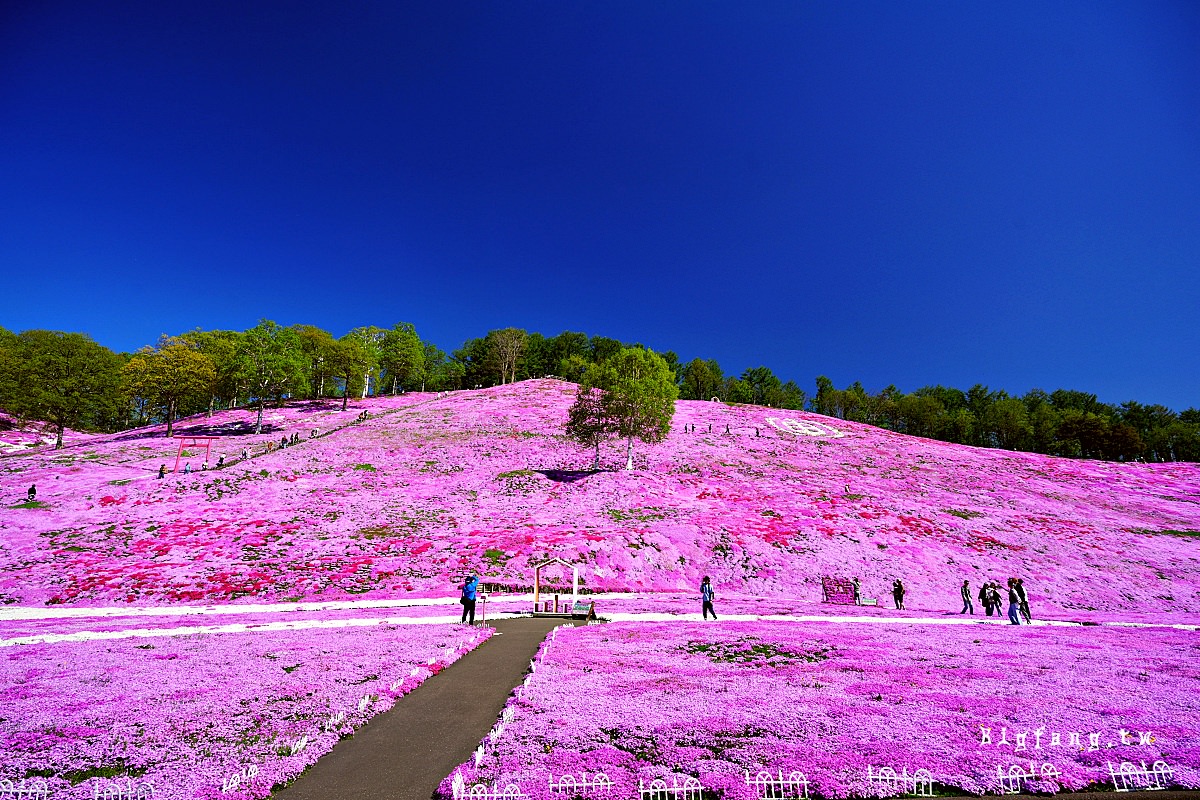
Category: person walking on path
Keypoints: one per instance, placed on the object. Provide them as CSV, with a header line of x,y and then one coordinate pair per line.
x,y
966,598
468,598
31,495
1014,601
898,594
707,596
1024,601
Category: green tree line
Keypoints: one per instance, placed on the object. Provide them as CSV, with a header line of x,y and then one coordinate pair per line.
x,y
70,381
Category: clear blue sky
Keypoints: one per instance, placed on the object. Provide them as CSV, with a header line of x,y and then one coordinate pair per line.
x,y
908,193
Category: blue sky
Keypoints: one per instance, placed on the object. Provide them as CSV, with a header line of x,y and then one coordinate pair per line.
x,y
897,193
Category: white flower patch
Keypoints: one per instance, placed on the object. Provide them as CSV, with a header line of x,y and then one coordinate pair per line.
x,y
805,427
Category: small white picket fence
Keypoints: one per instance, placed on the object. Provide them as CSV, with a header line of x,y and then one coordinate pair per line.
x,y
688,789
597,784
1132,777
483,792
122,790
777,786
1013,781
26,789
888,784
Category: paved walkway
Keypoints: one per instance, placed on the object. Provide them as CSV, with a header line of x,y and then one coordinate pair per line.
x,y
404,753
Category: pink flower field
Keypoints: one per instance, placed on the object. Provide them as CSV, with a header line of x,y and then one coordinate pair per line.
x,y
642,701
187,712
126,601
431,487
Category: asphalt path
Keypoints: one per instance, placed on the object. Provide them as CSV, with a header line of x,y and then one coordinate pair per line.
x,y
407,751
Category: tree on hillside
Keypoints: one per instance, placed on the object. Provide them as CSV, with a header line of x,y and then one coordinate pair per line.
x,y
271,364
351,360
223,348
503,351
701,380
65,379
169,375
631,395
586,422
402,356
317,346
371,338
9,362
764,386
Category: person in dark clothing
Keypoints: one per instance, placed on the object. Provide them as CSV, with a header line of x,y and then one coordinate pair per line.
x,y
31,495
898,594
1023,605
707,596
1014,601
994,598
468,598
985,598
162,471
966,598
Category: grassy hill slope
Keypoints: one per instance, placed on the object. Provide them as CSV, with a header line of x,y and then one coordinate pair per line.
x,y
430,487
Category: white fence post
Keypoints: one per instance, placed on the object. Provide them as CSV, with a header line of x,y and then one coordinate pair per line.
x,y
1130,777
888,783
28,788
598,784
778,787
116,790
658,789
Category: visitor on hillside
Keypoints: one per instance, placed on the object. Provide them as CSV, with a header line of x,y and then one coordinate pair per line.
x,y
857,592
204,466
31,495
985,597
966,598
1024,601
1014,601
187,468
994,598
245,454
706,597
468,598
898,594
221,462
162,471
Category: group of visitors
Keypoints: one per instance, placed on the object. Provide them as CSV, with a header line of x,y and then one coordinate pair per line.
x,y
991,600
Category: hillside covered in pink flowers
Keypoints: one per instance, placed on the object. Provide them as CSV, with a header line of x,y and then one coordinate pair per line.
x,y
430,487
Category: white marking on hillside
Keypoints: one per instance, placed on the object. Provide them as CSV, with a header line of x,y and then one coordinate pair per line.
x,y
805,427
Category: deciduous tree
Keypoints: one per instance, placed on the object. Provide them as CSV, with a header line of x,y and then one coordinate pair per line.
x,y
169,375
271,364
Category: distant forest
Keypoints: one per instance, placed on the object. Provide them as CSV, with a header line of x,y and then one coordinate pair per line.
x,y
70,381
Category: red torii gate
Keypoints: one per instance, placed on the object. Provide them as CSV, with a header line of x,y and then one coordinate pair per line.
x,y
196,442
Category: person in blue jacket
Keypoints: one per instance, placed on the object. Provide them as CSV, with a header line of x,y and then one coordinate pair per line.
x,y
468,598
707,595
